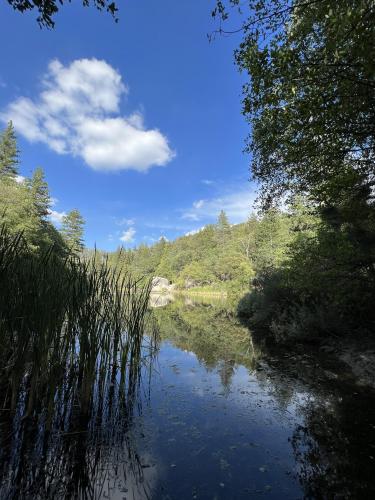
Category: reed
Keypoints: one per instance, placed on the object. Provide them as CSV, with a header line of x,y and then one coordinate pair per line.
x,y
71,336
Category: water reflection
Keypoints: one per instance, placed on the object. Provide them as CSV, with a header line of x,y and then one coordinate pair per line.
x,y
69,435
253,423
218,419
160,299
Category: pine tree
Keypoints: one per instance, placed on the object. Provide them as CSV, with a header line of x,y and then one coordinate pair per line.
x,y
223,228
8,152
40,194
72,230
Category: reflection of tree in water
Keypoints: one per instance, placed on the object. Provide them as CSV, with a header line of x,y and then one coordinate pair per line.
x,y
214,335
335,449
74,439
334,440
226,370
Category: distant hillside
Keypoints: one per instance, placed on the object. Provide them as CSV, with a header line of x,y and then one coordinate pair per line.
x,y
216,256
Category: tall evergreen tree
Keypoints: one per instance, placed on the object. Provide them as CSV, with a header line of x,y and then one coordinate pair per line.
x,y
8,152
223,228
72,230
40,194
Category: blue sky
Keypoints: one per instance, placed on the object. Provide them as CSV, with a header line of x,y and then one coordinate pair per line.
x,y
137,124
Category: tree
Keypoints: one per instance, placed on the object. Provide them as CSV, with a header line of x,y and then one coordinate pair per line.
x,y
72,230
223,228
311,94
8,152
195,274
48,8
271,239
40,194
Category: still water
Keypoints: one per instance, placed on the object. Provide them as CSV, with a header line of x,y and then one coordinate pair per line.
x,y
215,418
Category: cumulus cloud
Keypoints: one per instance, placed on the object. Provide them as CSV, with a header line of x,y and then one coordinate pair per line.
x,y
20,179
78,112
237,205
128,235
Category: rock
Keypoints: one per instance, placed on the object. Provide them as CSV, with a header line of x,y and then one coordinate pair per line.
x,y
159,282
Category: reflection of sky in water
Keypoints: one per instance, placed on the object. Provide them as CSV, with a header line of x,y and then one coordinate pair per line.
x,y
212,441
216,420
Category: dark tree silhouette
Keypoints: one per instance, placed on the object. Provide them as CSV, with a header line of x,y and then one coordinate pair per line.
x,y
48,8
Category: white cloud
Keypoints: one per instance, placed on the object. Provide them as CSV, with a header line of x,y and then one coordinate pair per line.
x,y
19,179
128,235
208,182
198,204
125,222
78,112
56,217
237,205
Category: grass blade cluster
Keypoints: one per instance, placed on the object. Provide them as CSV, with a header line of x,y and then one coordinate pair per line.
x,y
71,335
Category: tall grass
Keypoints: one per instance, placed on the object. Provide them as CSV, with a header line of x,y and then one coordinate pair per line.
x,y
71,334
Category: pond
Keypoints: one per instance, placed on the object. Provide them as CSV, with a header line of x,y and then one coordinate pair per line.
x,y
215,418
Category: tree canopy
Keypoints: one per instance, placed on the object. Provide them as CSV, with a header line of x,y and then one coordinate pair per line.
x,y
311,94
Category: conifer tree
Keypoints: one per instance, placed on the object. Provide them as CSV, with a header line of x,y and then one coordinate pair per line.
x,y
40,194
223,228
72,230
8,152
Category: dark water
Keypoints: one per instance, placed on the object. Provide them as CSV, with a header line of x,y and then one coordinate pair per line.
x,y
216,418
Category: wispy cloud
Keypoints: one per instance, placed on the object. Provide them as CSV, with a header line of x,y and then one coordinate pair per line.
x,y
125,222
77,112
198,204
128,235
208,182
237,205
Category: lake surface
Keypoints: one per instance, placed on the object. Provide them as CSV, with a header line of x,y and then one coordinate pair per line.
x,y
215,418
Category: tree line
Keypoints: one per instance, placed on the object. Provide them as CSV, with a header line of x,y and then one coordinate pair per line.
x,y
25,204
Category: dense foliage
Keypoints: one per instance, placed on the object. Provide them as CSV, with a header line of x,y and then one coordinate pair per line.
x,y
214,257
310,100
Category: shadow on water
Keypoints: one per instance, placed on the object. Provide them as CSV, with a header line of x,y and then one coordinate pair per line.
x,y
329,436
